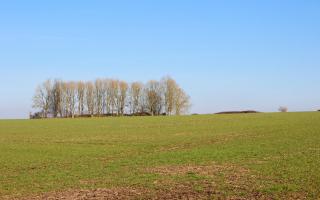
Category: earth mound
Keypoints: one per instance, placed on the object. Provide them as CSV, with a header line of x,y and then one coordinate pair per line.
x,y
238,112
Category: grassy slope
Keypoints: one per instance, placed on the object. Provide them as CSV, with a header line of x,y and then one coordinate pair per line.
x,y
281,151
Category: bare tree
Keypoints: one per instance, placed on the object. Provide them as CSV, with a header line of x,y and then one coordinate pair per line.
x,y
123,89
135,97
99,96
144,102
64,104
108,99
171,89
71,99
42,98
57,98
114,92
283,109
176,100
153,96
90,97
81,97
182,102
110,96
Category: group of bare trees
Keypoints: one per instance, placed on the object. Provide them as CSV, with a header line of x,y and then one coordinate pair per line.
x,y
109,97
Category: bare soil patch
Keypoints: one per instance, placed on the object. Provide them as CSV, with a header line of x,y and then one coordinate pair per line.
x,y
220,182
207,170
229,182
98,194
176,191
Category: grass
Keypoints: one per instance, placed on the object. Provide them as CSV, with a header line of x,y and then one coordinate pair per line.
x,y
273,155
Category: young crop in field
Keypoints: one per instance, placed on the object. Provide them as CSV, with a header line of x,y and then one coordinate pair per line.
x,y
242,156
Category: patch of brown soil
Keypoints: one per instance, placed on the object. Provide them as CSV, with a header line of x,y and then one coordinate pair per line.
x,y
181,191
98,194
227,182
188,191
235,179
207,170
174,192
221,182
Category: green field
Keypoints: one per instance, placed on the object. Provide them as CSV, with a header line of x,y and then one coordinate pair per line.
x,y
253,156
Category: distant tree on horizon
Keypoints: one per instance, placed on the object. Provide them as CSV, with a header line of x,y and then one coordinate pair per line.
x,y
43,97
110,97
283,109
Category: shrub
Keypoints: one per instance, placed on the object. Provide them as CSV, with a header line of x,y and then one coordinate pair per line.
x,y
283,109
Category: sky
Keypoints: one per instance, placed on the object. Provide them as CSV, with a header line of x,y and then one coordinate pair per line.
x,y
227,55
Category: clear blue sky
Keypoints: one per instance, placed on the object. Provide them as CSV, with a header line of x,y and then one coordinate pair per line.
x,y
228,55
